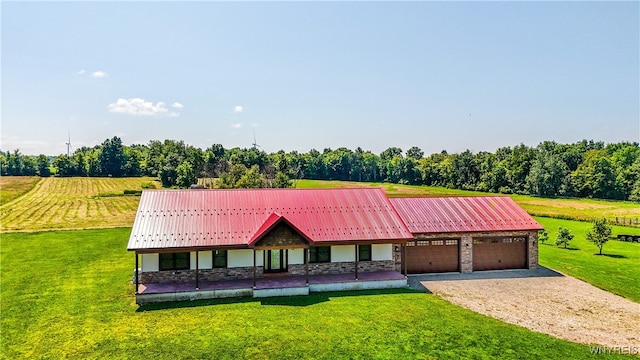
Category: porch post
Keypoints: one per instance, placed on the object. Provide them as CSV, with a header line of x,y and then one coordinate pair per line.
x,y
197,271
137,275
357,256
306,266
404,258
254,268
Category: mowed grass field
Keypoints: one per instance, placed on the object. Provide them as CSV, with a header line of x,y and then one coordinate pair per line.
x,y
12,187
71,203
68,294
576,209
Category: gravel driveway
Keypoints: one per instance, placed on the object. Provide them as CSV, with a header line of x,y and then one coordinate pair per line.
x,y
544,301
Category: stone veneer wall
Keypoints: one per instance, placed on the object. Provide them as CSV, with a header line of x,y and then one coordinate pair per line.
x,y
171,276
397,257
466,253
466,261
533,250
247,272
342,267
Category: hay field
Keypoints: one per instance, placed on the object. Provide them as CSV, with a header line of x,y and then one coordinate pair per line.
x,y
12,187
73,203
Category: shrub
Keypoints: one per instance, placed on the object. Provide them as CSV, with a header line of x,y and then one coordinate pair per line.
x,y
543,236
148,185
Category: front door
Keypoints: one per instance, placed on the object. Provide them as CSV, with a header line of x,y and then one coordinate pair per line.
x,y
275,261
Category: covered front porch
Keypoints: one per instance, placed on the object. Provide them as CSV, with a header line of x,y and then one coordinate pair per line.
x,y
268,286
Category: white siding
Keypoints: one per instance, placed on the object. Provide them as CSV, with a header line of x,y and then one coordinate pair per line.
x,y
244,257
381,252
296,256
259,257
205,260
342,253
150,262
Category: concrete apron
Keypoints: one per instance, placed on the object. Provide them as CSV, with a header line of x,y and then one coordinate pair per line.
x,y
143,299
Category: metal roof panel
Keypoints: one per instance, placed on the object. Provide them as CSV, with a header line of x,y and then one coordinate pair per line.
x,y
463,214
201,218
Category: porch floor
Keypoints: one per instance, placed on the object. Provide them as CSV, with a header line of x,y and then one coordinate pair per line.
x,y
277,282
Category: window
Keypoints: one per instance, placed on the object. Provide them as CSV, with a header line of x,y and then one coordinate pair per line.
x,y
320,254
422,243
451,242
220,258
175,261
364,253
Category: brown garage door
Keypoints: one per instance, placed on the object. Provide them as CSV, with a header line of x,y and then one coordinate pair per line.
x,y
431,256
499,253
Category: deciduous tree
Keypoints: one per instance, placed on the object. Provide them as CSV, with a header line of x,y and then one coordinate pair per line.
x,y
112,157
43,166
564,237
185,176
415,152
599,233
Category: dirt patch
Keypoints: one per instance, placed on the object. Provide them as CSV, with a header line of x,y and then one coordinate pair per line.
x,y
561,306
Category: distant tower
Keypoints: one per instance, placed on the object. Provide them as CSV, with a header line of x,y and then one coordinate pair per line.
x,y
68,143
255,144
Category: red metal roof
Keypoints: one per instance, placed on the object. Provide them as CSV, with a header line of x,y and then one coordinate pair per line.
x,y
463,214
203,218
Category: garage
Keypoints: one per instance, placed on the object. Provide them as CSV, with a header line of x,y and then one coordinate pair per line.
x,y
491,232
499,253
432,256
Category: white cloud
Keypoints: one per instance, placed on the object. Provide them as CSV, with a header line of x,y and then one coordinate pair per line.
x,y
237,125
238,109
13,143
177,105
140,107
81,72
99,74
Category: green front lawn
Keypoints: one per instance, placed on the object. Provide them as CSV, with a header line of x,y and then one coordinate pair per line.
x,y
68,294
616,271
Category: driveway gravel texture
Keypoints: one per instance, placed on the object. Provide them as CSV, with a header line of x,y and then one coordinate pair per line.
x,y
542,300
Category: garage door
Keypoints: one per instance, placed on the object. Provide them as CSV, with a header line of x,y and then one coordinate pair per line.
x,y
431,256
499,253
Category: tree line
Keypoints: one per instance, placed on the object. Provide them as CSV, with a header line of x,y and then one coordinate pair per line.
x,y
583,169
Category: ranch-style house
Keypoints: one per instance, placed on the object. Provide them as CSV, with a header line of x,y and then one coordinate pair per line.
x,y
200,244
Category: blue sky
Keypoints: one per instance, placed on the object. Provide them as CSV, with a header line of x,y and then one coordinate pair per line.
x,y
438,75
